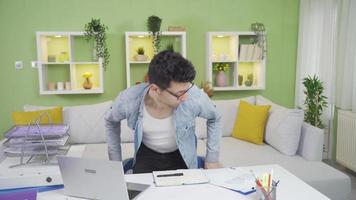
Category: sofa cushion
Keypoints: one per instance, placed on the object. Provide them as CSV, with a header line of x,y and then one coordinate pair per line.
x,y
283,127
127,134
86,122
55,116
250,123
228,110
200,128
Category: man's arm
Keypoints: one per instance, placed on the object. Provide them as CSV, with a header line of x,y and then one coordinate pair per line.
x,y
209,112
113,128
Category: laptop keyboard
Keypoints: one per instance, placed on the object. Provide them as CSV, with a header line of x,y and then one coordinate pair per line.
x,y
133,193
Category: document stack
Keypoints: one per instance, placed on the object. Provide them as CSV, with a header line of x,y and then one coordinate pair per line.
x,y
36,140
250,52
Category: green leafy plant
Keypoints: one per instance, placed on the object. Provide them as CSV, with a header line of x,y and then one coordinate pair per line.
x,y
315,101
140,51
97,31
221,67
170,47
154,26
260,38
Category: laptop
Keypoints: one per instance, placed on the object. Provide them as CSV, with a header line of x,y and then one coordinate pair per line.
x,y
97,179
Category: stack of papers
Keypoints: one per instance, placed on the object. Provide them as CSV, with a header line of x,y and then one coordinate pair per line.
x,y
250,52
179,177
33,140
235,179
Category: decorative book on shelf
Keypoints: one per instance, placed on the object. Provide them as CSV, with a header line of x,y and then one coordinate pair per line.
x,y
36,140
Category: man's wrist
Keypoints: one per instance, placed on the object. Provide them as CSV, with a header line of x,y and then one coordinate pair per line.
x,y
214,165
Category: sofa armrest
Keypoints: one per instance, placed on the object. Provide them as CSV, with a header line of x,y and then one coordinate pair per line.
x,y
311,143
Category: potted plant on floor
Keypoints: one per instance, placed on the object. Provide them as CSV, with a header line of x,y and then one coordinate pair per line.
x,y
315,101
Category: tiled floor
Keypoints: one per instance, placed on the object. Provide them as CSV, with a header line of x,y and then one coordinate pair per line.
x,y
351,174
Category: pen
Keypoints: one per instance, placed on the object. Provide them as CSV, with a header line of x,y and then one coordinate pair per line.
x,y
167,175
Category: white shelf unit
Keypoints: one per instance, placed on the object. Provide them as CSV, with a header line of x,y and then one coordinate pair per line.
x,y
225,48
65,57
135,40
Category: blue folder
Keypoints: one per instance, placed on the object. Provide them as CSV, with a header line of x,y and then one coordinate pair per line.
x,y
39,189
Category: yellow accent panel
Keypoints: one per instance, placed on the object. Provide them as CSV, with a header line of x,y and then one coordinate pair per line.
x,y
21,118
250,122
80,69
224,48
136,42
54,46
246,68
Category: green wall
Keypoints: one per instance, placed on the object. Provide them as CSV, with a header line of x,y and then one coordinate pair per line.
x,y
20,19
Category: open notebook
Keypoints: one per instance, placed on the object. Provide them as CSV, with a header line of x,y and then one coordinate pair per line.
x,y
179,177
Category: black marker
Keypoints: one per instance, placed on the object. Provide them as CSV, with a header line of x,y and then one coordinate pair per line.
x,y
167,175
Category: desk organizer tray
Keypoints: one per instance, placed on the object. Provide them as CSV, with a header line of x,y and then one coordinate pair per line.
x,y
34,131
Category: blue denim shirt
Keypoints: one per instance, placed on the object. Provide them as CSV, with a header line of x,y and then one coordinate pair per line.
x,y
129,105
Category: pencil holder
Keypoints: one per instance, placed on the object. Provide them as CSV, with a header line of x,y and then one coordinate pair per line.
x,y
263,193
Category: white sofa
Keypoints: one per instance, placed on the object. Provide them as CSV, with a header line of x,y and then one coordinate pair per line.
x,y
87,128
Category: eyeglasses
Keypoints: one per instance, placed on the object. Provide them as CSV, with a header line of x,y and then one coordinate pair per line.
x,y
180,93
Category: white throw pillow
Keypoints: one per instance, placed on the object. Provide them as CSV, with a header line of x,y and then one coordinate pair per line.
x,y
86,122
228,110
283,128
127,134
200,128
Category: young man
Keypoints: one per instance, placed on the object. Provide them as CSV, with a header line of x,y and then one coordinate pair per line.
x,y
162,114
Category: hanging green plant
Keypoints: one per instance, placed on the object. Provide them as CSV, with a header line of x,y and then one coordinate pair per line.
x,y
154,26
260,38
315,101
95,30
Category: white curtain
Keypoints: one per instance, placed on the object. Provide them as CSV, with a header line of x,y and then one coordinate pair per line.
x,y
316,46
346,57
317,41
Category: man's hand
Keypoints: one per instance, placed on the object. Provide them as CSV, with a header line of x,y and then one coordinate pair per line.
x,y
212,165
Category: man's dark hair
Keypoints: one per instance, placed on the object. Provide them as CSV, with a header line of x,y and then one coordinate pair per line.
x,y
169,66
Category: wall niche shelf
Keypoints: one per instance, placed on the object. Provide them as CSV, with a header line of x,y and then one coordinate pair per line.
x,y
241,61
137,66
63,58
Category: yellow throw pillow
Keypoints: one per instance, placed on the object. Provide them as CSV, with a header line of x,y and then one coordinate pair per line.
x,y
250,122
23,118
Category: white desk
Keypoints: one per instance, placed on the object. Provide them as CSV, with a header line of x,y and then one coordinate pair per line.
x,y
289,188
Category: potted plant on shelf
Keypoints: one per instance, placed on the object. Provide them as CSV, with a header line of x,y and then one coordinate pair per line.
x,y
140,54
154,26
96,30
315,101
221,68
249,80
